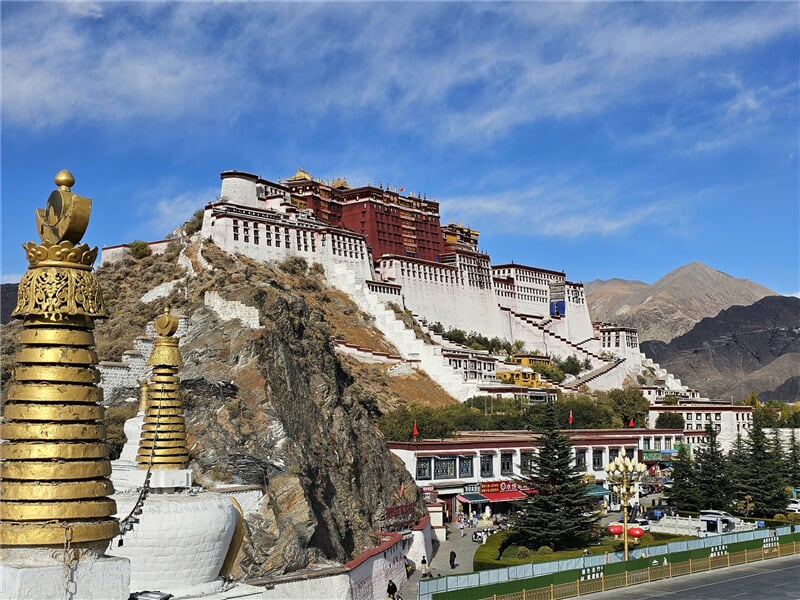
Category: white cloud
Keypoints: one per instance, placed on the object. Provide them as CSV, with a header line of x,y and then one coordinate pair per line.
x,y
11,277
456,73
92,10
162,211
557,207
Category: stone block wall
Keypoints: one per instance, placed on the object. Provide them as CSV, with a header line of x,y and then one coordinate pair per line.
x,y
231,309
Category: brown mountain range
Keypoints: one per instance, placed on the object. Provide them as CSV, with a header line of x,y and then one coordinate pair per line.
x,y
672,305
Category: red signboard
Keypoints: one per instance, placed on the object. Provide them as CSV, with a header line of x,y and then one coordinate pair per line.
x,y
498,486
401,515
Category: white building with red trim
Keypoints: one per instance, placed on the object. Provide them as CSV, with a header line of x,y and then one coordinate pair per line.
x,y
483,468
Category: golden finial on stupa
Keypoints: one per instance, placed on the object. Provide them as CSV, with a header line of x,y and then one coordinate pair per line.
x,y
163,441
54,459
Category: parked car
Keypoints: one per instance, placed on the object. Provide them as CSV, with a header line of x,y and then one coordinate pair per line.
x,y
793,504
644,524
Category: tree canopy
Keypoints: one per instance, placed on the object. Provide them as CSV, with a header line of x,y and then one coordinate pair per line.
x,y
559,513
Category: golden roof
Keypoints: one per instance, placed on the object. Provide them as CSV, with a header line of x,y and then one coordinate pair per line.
x,y
301,175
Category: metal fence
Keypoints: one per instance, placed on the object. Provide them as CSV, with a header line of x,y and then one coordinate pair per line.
x,y
530,570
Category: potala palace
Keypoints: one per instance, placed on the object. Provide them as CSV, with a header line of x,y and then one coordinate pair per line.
x,y
388,250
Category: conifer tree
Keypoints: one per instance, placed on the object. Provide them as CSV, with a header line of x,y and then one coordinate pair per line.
x,y
712,473
763,479
792,461
738,464
559,514
685,494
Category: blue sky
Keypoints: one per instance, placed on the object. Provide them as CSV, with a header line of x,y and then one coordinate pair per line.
x,y
605,140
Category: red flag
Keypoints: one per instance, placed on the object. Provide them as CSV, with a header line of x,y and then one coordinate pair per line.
x,y
630,423
415,433
402,189
571,418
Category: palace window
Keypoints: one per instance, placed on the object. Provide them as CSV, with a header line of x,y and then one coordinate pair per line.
x,y
487,470
506,463
423,468
465,466
580,458
444,468
597,460
526,461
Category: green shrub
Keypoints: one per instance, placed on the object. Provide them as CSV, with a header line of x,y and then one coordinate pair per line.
x,y
544,550
139,249
194,224
779,517
523,552
794,517
648,538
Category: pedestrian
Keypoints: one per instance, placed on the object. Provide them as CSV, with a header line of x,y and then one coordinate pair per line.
x,y
391,589
461,525
424,564
452,559
666,562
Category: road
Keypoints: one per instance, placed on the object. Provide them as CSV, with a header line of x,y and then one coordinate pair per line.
x,y
774,579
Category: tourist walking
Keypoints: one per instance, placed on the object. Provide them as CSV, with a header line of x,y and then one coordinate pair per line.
x,y
452,559
391,589
425,571
461,524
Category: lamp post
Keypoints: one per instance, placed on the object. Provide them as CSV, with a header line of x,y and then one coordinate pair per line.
x,y
624,473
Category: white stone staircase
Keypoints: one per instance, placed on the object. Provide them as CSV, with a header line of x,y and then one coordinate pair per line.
x,y
429,357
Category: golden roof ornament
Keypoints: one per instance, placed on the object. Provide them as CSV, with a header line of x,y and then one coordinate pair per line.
x,y
54,459
162,444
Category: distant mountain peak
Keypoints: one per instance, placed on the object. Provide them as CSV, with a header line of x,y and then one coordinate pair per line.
x,y
672,305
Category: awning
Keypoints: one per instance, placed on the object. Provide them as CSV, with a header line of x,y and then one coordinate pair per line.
x,y
597,490
472,498
508,496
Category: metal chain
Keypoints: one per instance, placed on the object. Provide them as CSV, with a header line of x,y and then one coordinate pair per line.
x,y
126,524
71,556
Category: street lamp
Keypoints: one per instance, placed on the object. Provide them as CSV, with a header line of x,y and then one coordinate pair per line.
x,y
624,473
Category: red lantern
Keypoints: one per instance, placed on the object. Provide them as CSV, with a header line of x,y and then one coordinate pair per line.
x,y
615,529
636,532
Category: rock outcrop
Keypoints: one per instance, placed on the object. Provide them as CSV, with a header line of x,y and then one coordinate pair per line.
x,y
273,406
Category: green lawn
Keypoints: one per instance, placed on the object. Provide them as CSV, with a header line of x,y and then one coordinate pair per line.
x,y
486,554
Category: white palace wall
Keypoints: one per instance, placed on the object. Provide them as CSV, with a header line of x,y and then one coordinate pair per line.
x,y
435,293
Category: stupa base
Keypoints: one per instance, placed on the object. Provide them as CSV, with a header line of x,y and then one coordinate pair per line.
x,y
104,578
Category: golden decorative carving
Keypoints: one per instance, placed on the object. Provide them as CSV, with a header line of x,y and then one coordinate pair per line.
x,y
55,292
54,460
66,215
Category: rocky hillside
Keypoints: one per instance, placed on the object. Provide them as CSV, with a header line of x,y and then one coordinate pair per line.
x,y
672,305
277,406
8,300
742,350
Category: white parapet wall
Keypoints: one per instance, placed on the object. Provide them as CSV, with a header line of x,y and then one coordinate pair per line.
x,y
230,309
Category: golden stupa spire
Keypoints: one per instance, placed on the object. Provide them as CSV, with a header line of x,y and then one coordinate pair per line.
x,y
54,459
163,440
